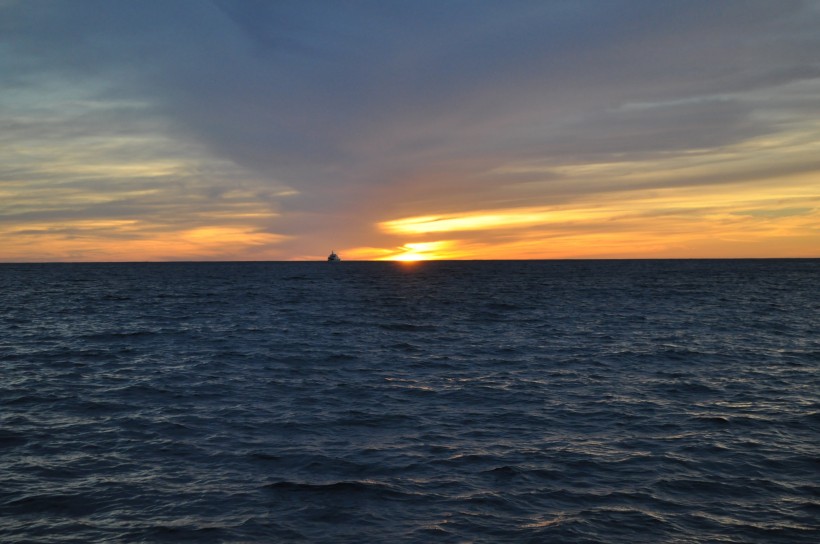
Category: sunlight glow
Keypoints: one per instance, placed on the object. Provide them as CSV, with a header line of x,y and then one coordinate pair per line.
x,y
483,220
421,251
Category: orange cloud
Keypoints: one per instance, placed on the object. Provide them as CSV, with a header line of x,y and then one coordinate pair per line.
x,y
133,241
751,220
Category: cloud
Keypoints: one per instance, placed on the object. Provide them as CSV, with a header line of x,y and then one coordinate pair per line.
x,y
317,121
283,86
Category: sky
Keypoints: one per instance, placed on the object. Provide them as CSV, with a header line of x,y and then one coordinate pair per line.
x,y
407,130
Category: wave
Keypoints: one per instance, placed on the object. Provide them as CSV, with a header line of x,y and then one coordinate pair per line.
x,y
356,489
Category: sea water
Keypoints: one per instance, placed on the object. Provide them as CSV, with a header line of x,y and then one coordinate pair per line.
x,y
563,401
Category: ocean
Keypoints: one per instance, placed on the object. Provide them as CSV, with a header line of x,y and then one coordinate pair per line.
x,y
363,402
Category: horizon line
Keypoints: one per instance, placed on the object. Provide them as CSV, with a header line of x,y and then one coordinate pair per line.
x,y
405,262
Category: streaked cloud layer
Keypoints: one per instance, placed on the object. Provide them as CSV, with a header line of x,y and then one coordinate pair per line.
x,y
411,130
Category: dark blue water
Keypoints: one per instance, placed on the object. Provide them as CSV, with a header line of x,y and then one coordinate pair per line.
x,y
609,401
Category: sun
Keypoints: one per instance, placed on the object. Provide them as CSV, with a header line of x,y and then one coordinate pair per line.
x,y
419,251
410,258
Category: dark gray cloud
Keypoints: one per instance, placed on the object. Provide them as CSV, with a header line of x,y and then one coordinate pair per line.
x,y
277,85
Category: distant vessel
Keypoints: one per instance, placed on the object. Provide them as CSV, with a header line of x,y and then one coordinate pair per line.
x,y
333,257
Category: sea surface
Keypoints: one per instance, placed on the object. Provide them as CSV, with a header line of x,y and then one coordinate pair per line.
x,y
489,401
